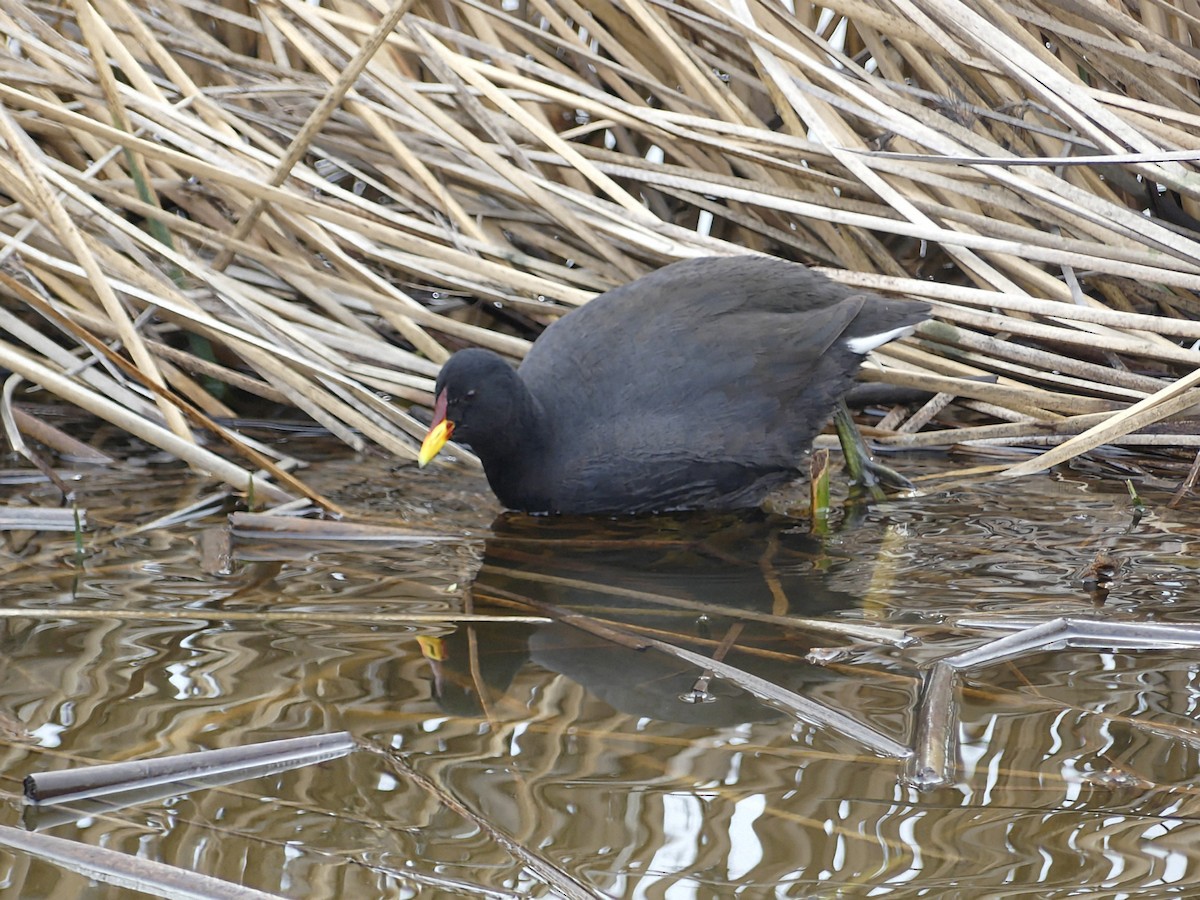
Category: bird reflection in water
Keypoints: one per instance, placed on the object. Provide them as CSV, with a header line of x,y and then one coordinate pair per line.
x,y
685,579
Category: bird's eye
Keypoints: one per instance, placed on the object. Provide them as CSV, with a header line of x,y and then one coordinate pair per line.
x,y
469,395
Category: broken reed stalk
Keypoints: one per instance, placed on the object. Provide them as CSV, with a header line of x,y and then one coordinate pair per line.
x,y
185,771
135,873
312,206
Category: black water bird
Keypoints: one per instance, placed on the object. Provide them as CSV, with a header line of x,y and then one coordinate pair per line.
x,y
700,385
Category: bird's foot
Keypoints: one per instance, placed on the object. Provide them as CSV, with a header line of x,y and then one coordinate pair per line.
x,y
865,471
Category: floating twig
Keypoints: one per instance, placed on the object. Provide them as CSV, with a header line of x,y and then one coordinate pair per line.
x,y
933,762
41,518
185,771
229,615
133,872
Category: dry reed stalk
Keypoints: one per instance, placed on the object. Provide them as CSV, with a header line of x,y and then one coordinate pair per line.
x,y
316,204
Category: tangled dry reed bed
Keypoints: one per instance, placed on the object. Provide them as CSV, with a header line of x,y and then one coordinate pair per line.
x,y
315,204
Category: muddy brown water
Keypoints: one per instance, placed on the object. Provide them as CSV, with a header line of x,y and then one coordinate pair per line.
x,y
1075,768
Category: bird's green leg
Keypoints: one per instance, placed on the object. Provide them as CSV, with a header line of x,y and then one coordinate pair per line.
x,y
864,469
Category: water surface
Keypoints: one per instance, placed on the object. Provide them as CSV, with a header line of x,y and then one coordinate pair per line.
x,y
1075,767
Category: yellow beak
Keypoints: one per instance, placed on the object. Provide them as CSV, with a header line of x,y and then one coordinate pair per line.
x,y
434,442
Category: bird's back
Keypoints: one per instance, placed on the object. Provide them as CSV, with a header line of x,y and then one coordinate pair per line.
x,y
701,383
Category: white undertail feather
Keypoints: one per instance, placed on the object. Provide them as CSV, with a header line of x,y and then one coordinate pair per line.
x,y
868,342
